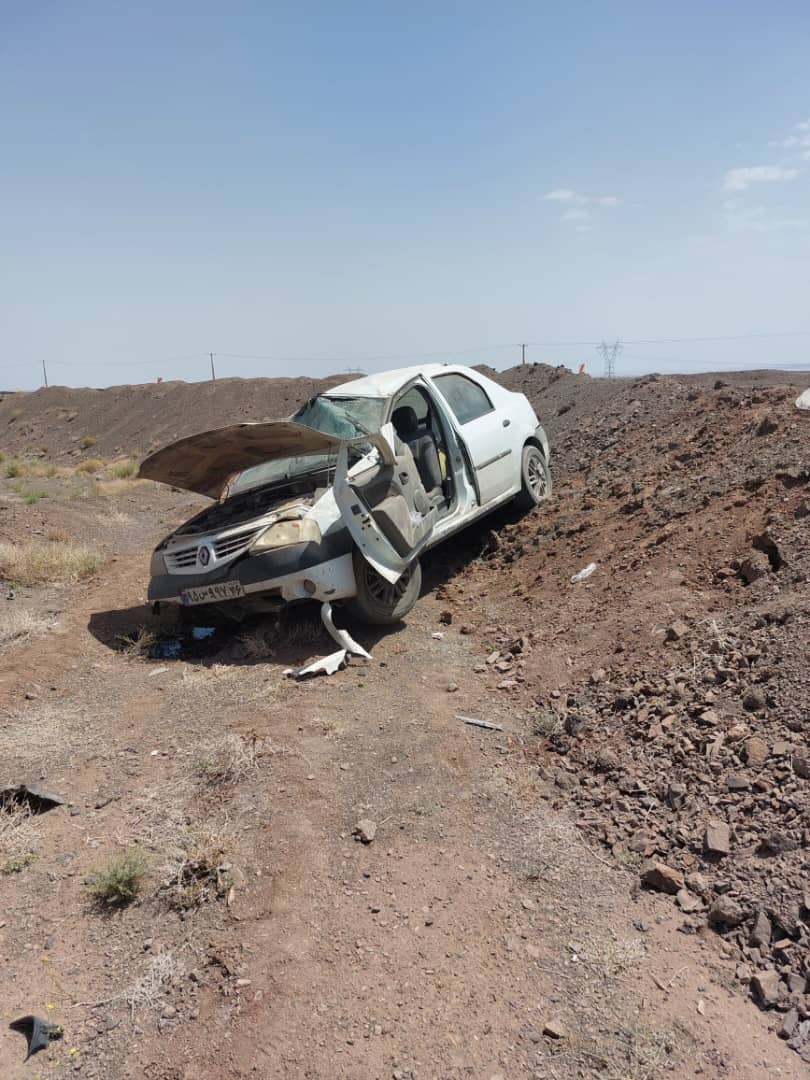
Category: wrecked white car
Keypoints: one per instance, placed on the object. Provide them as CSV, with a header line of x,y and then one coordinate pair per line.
x,y
339,501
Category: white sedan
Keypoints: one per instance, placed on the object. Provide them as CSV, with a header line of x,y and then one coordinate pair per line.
x,y
339,501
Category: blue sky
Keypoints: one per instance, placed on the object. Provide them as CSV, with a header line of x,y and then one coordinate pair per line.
x,y
306,187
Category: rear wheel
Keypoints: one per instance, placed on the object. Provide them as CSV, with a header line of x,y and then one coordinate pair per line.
x,y
536,478
377,600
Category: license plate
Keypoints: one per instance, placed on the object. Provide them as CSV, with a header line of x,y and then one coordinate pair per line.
x,y
209,594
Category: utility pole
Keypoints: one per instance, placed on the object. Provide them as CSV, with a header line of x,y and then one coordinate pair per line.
x,y
213,373
523,354
44,372
609,354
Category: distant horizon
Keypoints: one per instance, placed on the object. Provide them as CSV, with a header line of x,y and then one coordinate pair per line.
x,y
347,376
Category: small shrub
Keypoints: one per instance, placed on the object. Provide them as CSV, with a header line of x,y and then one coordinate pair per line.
x,y
118,880
33,495
51,471
48,562
13,469
87,441
90,465
123,470
140,643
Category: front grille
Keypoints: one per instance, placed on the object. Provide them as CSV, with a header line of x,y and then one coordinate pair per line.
x,y
234,545
183,559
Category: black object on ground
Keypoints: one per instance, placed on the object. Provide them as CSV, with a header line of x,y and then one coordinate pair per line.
x,y
35,798
39,1033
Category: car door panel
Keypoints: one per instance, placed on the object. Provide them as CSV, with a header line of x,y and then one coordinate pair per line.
x,y
385,507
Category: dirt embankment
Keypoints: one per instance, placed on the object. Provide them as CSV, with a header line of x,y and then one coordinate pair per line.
x,y
671,686
62,421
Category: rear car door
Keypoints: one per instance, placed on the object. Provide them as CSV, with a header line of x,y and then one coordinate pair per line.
x,y
384,506
483,429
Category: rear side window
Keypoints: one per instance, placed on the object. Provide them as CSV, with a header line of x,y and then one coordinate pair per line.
x,y
466,398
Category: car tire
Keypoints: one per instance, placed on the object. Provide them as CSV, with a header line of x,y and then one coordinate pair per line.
x,y
377,600
535,478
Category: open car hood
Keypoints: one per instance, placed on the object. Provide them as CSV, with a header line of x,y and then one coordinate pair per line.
x,y
205,463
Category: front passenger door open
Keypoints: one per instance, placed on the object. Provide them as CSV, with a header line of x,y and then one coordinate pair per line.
x,y
385,507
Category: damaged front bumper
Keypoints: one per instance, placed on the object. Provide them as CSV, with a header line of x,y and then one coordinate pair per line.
x,y
306,571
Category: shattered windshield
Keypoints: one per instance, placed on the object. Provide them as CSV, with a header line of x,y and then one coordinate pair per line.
x,y
345,418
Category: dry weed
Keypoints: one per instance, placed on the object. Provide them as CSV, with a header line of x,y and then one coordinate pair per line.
x,y
90,465
114,517
40,563
140,643
17,838
115,486
124,469
197,871
227,759
148,990
17,624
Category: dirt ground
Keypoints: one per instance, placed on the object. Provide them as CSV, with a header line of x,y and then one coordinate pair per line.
x,y
498,924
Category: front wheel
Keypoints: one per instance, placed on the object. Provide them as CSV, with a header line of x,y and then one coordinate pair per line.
x,y
535,479
377,600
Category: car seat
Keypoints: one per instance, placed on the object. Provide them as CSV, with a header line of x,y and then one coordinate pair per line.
x,y
423,447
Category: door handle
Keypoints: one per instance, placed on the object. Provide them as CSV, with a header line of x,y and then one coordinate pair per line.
x,y
506,423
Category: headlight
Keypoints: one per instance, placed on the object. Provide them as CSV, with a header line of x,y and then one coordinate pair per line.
x,y
299,531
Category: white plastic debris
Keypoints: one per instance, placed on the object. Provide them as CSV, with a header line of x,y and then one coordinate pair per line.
x,y
584,573
437,635
342,637
803,400
327,665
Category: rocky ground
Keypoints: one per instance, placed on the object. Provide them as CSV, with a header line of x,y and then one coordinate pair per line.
x,y
343,879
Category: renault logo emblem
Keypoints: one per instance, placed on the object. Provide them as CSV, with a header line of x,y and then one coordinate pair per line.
x,y
204,555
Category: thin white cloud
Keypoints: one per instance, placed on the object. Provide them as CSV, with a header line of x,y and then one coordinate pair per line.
x,y
567,195
754,219
576,215
741,179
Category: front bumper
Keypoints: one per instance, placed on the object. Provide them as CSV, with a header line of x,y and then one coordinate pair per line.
x,y
325,567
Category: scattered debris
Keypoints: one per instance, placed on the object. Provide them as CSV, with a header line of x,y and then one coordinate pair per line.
x,y
327,665
335,661
342,637
365,830
584,573
437,635
39,1033
475,722
36,799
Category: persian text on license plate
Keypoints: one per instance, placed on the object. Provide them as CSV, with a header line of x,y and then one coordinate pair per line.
x,y
209,594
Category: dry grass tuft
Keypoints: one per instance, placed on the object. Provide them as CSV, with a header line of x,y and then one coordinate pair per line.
x,y
198,871
17,624
40,563
226,760
140,643
115,486
147,992
90,465
118,880
114,517
124,469
87,441
17,839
